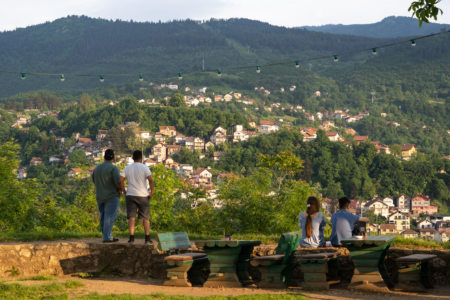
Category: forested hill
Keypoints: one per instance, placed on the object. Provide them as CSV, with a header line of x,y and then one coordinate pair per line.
x,y
82,45
389,27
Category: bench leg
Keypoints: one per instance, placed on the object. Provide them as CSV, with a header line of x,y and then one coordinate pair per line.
x,y
177,273
414,276
272,276
315,274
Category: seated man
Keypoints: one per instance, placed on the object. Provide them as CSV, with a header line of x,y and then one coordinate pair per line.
x,y
342,223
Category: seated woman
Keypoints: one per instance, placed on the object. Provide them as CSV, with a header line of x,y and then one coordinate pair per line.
x,y
312,223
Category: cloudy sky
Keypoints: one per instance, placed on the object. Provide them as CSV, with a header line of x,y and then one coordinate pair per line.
x,y
21,13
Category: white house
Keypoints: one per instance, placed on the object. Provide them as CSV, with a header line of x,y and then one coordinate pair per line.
x,y
378,207
424,224
389,202
401,221
266,127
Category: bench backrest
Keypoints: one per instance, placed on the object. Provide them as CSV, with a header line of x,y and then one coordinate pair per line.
x,y
287,244
173,241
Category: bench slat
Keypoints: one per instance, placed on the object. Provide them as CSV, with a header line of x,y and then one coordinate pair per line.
x,y
416,258
173,240
320,255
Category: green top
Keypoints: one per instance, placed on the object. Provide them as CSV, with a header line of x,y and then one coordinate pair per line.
x,y
226,243
106,176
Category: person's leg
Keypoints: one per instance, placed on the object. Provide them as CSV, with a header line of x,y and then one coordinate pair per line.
x,y
144,214
131,222
111,208
101,209
146,224
131,216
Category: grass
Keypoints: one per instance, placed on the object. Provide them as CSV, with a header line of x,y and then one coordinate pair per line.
x,y
411,243
37,277
66,291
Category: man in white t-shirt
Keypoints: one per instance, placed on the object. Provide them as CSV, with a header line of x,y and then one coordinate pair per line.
x,y
137,197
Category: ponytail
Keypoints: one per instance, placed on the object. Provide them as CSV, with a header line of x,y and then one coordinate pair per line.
x,y
312,206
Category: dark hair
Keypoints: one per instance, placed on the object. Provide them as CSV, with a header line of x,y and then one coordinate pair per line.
x,y
343,202
109,154
137,155
312,206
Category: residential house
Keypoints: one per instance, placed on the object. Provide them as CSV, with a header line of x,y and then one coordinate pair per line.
x,y
218,98
408,151
308,133
383,149
36,161
350,131
400,220
360,139
388,201
203,176
329,206
372,228
179,139
159,151
168,131
172,149
442,235
76,173
266,127
388,229
145,135
160,138
228,98
378,207
84,142
327,125
332,136
409,233
186,170
427,233
436,218
208,145
224,176
219,136
55,159
101,135
425,223
420,204
217,155
149,162
355,207
22,173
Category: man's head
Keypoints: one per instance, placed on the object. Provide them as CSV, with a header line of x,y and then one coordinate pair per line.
x,y
137,155
343,203
109,154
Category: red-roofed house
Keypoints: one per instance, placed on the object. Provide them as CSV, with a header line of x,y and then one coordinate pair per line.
x,y
387,229
266,127
408,151
333,136
360,139
409,233
168,131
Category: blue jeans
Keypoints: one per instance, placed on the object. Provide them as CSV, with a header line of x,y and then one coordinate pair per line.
x,y
108,214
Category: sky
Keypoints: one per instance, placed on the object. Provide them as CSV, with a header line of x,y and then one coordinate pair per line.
x,y
289,13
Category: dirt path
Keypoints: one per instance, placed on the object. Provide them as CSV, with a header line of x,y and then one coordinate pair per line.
x,y
145,287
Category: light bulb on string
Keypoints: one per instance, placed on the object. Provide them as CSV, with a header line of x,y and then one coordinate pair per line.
x,y
413,43
297,64
335,58
374,51
62,78
180,75
219,73
23,75
258,69
141,78
101,78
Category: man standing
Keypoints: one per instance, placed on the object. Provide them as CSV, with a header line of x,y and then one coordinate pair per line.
x,y
106,177
138,199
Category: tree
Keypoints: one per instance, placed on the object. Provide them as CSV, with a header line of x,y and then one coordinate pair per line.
x,y
85,102
177,100
78,157
425,9
18,197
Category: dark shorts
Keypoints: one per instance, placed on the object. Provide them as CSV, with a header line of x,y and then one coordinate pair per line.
x,y
139,204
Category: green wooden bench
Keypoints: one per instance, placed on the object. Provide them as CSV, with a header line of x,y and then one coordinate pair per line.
x,y
183,269
414,272
319,269
274,269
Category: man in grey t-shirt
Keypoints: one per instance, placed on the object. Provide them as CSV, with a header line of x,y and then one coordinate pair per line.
x,y
137,197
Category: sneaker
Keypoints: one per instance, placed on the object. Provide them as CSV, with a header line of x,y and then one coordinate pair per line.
x,y
147,240
131,240
111,241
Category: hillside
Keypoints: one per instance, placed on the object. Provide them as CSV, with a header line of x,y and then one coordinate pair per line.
x,y
81,45
390,27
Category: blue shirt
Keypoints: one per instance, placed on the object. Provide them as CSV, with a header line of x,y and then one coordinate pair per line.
x,y
317,239
342,226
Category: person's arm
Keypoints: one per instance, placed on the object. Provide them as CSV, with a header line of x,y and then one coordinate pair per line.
x,y
152,187
364,219
121,185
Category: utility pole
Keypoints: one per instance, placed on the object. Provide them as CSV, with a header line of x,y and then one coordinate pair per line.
x,y
203,63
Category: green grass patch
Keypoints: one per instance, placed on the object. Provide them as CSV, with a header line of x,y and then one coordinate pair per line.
x,y
71,284
38,277
411,243
46,291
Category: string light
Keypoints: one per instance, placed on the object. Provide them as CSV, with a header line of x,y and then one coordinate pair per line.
x,y
23,75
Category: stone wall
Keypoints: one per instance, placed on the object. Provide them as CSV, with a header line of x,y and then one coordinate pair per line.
x,y
144,261
136,260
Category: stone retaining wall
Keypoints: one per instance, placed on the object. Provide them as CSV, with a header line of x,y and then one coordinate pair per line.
x,y
144,261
